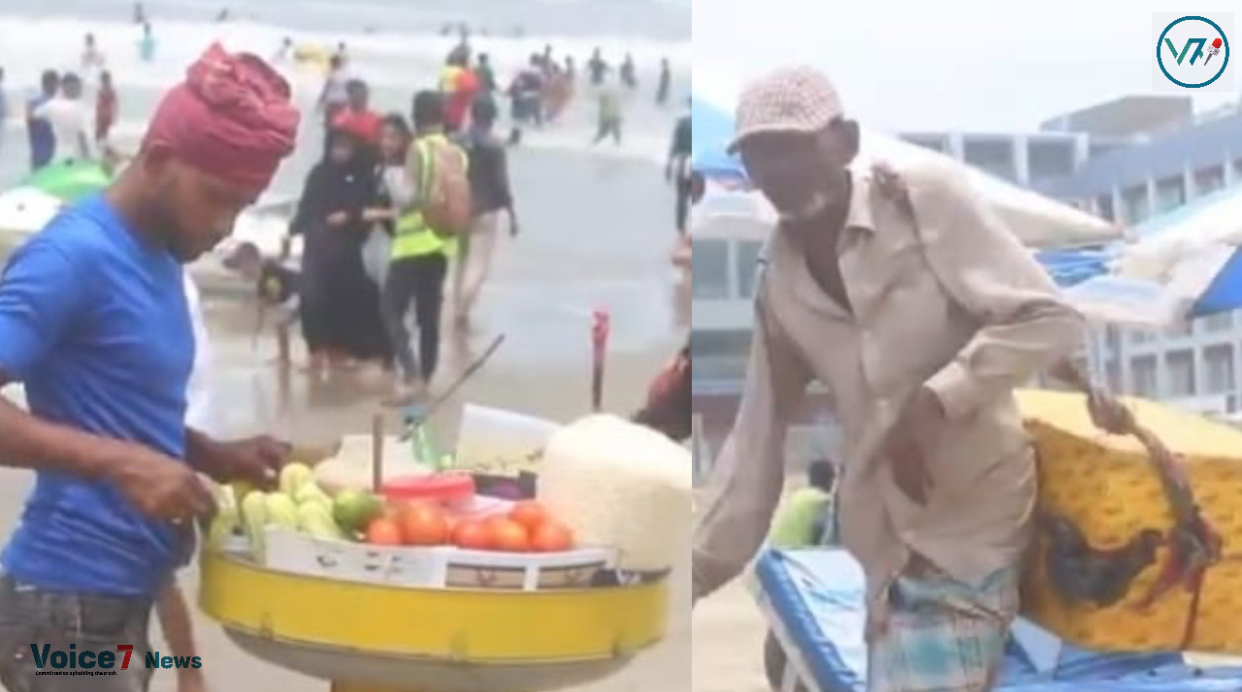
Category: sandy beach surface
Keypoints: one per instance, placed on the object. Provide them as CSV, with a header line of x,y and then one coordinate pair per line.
x,y
727,648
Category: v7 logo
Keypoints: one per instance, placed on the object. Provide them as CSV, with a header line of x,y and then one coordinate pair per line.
x,y
1196,42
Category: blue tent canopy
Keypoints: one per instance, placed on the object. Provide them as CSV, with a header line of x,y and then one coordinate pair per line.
x,y
713,130
1069,267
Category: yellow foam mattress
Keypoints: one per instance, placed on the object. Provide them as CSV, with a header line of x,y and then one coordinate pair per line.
x,y
1106,486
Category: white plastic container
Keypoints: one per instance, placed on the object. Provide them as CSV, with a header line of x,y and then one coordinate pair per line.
x,y
435,567
623,485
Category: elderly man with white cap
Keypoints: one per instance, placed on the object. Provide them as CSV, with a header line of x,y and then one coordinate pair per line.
x,y
920,313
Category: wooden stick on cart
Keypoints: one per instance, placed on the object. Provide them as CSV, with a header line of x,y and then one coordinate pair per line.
x,y
600,325
377,453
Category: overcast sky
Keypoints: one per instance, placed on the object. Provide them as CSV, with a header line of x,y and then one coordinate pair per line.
x,y
1002,66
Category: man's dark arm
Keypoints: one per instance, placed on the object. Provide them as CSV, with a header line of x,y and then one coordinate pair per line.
x,y
198,447
256,459
27,441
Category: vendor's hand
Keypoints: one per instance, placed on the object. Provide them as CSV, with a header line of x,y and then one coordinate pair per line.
x,y
905,443
377,214
1108,413
257,460
337,219
159,486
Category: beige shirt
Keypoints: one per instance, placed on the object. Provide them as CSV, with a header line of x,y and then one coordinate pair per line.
x,y
943,296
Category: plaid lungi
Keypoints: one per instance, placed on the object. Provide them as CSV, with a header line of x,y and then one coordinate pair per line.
x,y
943,635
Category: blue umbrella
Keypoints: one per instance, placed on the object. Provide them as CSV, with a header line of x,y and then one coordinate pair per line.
x,y
1225,292
713,129
1187,261
1071,267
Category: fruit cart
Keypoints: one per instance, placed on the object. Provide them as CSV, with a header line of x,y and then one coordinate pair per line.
x,y
368,615
375,638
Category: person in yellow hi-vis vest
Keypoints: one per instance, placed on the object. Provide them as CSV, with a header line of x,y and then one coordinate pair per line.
x,y
419,253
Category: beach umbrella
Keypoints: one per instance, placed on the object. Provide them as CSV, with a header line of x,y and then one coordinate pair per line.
x,y
28,207
70,181
713,128
25,210
1164,241
1186,264
1072,267
31,205
1038,221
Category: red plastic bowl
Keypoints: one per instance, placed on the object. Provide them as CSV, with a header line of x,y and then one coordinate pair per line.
x,y
444,488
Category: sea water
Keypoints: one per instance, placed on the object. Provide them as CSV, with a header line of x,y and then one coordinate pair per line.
x,y
398,46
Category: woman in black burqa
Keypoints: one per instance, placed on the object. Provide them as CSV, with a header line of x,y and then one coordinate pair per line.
x,y
340,306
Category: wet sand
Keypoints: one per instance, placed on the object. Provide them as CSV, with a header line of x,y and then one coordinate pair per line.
x,y
727,648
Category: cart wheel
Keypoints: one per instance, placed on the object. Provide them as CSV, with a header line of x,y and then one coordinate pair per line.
x,y
775,664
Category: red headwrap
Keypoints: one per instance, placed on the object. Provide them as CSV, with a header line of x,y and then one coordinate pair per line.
x,y
230,118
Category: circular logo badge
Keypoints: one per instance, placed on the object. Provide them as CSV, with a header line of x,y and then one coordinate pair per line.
x,y
1192,52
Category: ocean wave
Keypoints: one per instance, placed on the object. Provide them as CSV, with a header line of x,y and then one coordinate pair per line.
x,y
33,45
649,147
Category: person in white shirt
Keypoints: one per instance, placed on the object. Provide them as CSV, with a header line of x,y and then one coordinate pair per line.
x,y
68,116
92,58
335,94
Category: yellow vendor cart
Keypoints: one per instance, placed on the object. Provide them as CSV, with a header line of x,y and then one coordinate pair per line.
x,y
365,637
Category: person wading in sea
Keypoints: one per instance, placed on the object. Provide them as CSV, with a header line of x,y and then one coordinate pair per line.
x,y
94,323
492,198
934,313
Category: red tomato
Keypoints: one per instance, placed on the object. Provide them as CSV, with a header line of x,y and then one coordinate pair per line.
x,y
424,525
495,519
472,535
551,537
383,531
393,513
507,536
529,513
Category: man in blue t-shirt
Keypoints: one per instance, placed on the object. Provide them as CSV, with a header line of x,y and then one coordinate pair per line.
x,y
94,322
38,127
